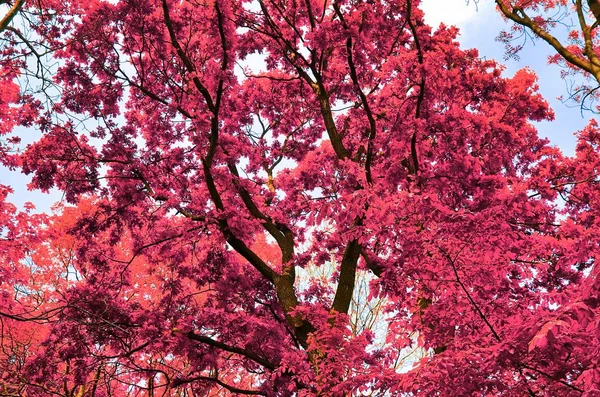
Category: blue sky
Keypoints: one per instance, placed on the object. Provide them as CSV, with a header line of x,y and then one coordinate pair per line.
x,y
479,25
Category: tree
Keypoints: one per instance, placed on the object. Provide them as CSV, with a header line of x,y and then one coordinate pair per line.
x,y
576,44
203,189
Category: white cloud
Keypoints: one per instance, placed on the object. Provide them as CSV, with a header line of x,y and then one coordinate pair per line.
x,y
460,13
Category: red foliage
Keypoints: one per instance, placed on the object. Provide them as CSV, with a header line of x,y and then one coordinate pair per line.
x,y
295,229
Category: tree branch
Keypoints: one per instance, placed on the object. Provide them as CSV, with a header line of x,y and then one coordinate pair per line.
x,y
361,94
524,20
11,14
232,349
345,288
232,389
185,59
451,261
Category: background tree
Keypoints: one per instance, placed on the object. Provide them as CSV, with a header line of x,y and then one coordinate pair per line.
x,y
570,28
202,190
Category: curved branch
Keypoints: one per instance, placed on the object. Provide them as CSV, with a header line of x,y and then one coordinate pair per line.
x,y
363,97
185,59
466,291
587,35
11,14
527,22
371,265
316,84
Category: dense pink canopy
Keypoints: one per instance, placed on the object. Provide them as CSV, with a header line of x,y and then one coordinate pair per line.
x,y
286,197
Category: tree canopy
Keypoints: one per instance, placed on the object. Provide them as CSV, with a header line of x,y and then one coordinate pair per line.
x,y
289,197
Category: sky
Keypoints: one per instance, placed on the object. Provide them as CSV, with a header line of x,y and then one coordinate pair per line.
x,y
479,25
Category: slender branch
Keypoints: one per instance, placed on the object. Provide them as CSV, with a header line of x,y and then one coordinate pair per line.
x,y
281,233
185,59
44,317
232,349
551,377
361,94
317,85
477,309
421,97
224,56
466,291
232,389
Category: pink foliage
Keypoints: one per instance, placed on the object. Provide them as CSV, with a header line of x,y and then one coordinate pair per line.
x,y
297,229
